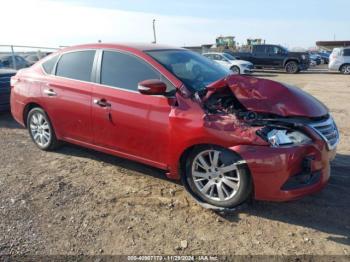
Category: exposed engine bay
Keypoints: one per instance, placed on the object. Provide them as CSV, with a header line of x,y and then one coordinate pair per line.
x,y
224,102
224,109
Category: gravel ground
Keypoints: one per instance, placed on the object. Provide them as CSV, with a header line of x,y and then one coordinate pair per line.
x,y
78,201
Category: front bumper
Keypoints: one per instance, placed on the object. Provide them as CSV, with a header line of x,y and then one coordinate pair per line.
x,y
304,66
248,69
280,174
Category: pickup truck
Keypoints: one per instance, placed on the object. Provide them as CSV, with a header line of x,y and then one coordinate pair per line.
x,y
275,57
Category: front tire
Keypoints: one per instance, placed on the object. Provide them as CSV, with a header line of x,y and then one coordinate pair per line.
x,y
214,176
41,130
345,69
236,70
292,67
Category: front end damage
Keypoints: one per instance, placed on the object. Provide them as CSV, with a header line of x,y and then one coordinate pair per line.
x,y
286,144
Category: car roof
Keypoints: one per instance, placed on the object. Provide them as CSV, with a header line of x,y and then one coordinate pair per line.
x,y
130,46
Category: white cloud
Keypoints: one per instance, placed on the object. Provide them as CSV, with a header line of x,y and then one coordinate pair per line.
x,y
43,22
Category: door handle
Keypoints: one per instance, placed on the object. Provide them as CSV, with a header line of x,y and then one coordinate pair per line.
x,y
50,92
102,102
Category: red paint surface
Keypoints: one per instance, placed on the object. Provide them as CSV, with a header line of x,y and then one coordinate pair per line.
x,y
156,130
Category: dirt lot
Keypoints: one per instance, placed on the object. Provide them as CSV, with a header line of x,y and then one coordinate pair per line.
x,y
77,201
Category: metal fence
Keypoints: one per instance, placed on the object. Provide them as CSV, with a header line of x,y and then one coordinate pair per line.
x,y
18,56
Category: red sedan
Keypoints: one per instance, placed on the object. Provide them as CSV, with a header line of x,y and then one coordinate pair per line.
x,y
227,137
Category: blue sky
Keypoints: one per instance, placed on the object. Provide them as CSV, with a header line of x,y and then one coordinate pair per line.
x,y
291,23
336,10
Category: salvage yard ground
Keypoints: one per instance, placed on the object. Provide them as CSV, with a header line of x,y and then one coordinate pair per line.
x,y
77,201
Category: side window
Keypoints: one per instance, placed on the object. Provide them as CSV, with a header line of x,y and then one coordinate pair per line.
x,y
260,49
49,64
19,59
346,52
274,50
208,56
125,71
218,57
76,65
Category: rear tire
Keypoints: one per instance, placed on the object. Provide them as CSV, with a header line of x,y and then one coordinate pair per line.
x,y
292,67
345,69
41,131
213,177
236,70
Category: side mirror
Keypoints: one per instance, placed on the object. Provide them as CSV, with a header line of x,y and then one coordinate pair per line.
x,y
152,87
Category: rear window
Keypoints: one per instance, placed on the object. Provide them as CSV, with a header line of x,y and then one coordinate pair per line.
x,y
259,49
346,52
76,65
49,64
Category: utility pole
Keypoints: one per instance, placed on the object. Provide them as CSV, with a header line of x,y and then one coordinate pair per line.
x,y
154,32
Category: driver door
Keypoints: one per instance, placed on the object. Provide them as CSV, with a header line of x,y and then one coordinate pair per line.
x,y
276,56
124,120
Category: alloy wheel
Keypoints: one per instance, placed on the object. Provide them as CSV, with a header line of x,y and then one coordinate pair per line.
x,y
235,70
213,178
346,69
291,67
40,129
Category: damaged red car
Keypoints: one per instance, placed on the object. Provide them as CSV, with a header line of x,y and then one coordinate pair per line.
x,y
227,137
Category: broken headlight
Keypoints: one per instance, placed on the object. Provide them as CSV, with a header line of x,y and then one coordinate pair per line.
x,y
281,137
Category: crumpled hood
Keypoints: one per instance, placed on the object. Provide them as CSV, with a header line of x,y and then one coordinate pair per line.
x,y
266,96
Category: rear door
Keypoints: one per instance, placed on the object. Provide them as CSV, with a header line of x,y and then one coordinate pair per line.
x,y
275,56
346,55
67,95
125,120
260,56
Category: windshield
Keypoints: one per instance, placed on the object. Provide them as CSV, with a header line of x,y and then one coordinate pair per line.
x,y
194,70
285,49
228,56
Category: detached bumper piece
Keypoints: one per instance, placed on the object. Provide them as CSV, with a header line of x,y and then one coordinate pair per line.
x,y
302,180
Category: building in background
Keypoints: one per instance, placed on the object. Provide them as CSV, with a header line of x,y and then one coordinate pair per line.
x,y
329,45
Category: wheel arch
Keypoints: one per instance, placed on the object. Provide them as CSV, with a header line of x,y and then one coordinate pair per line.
x,y
343,64
29,106
239,68
183,175
188,150
290,60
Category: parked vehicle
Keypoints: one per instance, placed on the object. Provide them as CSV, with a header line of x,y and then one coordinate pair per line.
x,y
315,59
276,57
35,57
230,62
6,61
324,56
228,137
340,60
32,59
5,76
